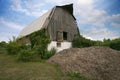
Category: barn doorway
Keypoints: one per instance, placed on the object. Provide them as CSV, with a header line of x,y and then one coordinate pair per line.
x,y
64,35
59,36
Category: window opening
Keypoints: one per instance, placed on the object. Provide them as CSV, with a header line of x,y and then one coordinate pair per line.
x,y
64,35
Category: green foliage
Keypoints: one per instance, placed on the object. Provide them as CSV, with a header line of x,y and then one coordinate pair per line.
x,y
13,47
48,54
39,38
98,43
115,44
77,76
39,42
27,55
36,51
3,46
81,42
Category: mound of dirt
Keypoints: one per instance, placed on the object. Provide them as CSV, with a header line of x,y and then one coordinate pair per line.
x,y
101,63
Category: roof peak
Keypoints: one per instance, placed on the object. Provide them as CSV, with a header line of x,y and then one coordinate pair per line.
x,y
65,5
69,8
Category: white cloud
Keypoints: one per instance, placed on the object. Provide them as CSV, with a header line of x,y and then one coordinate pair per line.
x,y
30,8
100,34
85,2
17,6
6,36
10,24
117,25
34,4
115,20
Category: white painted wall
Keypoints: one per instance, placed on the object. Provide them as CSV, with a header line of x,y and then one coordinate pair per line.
x,y
64,45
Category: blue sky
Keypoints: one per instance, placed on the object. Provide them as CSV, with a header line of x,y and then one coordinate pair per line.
x,y
96,19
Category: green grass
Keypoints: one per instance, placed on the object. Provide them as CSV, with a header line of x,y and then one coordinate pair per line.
x,y
10,69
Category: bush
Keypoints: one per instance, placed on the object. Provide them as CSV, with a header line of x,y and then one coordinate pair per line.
x,y
27,55
48,54
81,42
2,50
3,46
13,48
115,44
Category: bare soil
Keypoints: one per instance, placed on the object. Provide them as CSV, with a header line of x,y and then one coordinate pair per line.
x,y
101,63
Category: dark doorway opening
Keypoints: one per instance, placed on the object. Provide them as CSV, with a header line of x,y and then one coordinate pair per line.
x,y
58,44
64,35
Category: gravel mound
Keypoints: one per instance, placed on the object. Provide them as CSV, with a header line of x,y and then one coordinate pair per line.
x,y
101,63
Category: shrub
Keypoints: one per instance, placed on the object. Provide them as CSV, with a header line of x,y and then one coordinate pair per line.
x,y
27,55
13,48
115,44
3,46
81,42
2,50
48,54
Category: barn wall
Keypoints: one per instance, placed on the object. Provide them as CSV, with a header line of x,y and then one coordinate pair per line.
x,y
62,21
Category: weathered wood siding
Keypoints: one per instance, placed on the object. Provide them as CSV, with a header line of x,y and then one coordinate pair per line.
x,y
62,21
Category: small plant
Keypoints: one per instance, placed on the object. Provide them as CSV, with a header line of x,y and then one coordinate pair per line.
x,y
77,76
49,54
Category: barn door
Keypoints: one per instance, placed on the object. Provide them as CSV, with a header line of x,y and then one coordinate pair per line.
x,y
59,36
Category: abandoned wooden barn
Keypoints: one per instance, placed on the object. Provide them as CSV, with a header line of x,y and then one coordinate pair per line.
x,y
60,25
